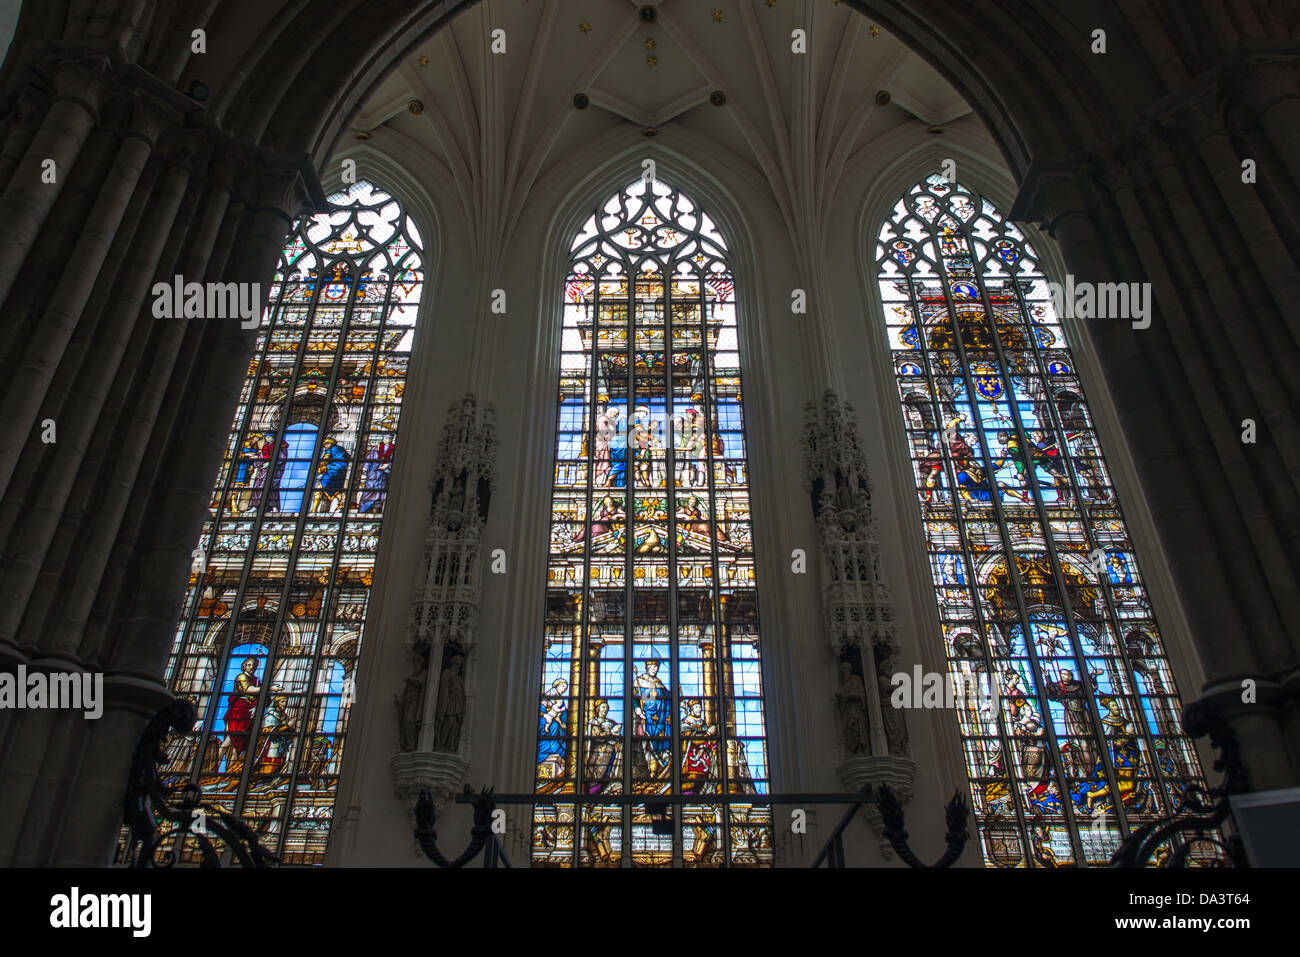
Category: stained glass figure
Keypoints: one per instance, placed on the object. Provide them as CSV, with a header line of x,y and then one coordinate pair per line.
x,y
1038,586
651,684
268,643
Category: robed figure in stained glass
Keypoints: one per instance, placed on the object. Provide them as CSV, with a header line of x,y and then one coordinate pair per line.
x,y
281,461
333,470
1070,693
617,452
641,438
606,427
374,476
250,472
552,728
653,717
1123,748
278,733
602,749
700,751
239,711
692,472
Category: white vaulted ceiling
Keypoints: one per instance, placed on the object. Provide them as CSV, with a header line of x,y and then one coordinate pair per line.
x,y
496,123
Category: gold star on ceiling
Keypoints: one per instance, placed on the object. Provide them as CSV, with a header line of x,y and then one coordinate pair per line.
x,y
771,3
874,30
717,16
652,60
423,61
649,43
584,26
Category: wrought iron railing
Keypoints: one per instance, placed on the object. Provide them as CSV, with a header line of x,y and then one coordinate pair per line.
x,y
163,816
1206,811
483,838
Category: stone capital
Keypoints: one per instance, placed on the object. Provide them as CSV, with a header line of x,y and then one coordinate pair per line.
x,y
89,80
188,148
1198,112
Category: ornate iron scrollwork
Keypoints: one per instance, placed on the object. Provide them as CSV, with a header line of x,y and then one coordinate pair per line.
x,y
427,836
891,814
1207,808
158,812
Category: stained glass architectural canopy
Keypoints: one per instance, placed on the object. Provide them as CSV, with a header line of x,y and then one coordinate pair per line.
x,y
651,683
1038,585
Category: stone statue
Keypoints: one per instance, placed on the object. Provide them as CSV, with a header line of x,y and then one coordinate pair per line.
x,y
891,717
851,700
410,707
451,706
456,503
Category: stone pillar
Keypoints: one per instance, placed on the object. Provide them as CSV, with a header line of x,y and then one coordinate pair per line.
x,y
98,526
1165,202
81,83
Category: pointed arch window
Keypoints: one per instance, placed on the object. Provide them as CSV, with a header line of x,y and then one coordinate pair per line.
x,y
651,689
271,632
1040,594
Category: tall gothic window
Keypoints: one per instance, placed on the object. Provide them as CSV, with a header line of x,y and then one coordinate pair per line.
x,y
1082,744
650,706
268,643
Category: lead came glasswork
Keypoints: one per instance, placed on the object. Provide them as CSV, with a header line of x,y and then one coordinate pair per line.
x,y
651,682
1086,744
268,642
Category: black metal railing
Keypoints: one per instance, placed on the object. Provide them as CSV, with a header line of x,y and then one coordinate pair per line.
x,y
1206,811
483,836
891,814
163,811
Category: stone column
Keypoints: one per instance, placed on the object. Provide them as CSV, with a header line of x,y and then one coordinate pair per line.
x,y
1165,203
100,524
81,84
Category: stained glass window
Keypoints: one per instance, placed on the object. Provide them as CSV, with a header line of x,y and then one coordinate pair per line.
x,y
1026,540
267,646
650,711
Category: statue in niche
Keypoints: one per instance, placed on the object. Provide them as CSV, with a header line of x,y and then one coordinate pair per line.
x,y
456,503
410,705
851,700
842,499
844,492
892,718
451,706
